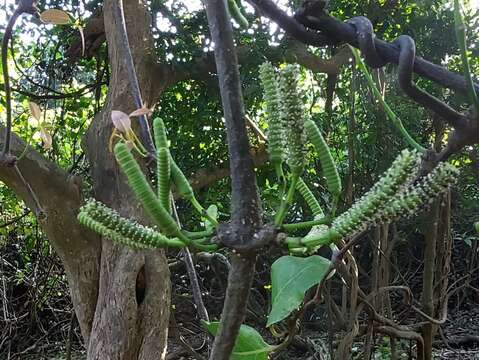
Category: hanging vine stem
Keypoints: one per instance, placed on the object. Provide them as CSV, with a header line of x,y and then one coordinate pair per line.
x,y
146,136
24,7
460,28
390,114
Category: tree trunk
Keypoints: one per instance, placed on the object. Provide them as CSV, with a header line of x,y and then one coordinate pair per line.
x,y
131,317
121,297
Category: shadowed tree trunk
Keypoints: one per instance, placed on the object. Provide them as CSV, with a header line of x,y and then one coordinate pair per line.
x,y
115,321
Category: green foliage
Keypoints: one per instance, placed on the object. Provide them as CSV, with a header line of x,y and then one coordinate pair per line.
x,y
290,278
327,163
249,344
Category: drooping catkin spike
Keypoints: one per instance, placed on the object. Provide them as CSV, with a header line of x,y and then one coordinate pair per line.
x,y
310,199
163,177
428,188
327,163
375,209
183,186
269,80
107,222
379,196
292,117
144,193
235,12
102,230
159,130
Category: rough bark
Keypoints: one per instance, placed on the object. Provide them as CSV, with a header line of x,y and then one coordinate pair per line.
x,y
120,317
59,196
126,325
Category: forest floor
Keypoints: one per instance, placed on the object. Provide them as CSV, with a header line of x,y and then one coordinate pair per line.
x,y
39,319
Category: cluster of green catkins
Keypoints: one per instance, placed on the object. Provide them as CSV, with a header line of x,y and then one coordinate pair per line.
x,y
110,224
107,222
399,193
285,115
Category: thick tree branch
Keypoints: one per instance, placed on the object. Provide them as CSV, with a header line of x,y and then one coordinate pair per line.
x,y
245,218
245,201
341,32
59,196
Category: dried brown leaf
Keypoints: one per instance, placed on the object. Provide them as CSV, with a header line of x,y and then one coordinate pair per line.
x,y
55,16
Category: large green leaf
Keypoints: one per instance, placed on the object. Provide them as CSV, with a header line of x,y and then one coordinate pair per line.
x,y
249,344
290,278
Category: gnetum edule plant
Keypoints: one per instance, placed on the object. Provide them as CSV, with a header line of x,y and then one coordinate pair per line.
x,y
401,191
416,178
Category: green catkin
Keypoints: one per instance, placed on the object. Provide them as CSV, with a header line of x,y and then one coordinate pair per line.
x,y
236,14
327,163
374,209
144,193
159,130
163,177
269,80
125,227
292,117
429,187
310,199
122,230
104,231
183,186
379,196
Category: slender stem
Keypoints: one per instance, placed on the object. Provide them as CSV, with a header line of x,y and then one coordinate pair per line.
x,y
390,114
460,28
38,208
306,224
197,234
285,203
6,78
134,85
192,275
202,211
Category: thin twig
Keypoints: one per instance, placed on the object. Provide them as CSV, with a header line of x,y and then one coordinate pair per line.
x,y
6,79
24,7
14,220
119,18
